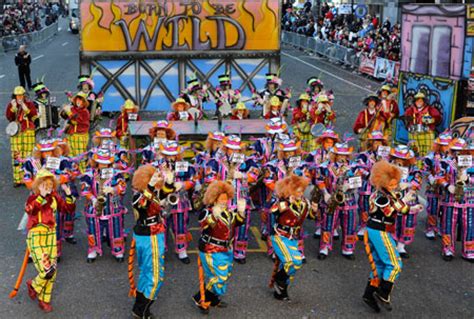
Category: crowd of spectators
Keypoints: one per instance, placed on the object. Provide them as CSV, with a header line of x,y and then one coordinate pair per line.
x,y
367,35
24,18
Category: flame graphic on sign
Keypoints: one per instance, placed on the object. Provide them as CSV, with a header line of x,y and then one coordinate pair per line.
x,y
100,32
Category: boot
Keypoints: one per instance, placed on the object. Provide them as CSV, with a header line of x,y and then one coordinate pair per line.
x,y
141,306
369,299
382,294
281,285
31,291
148,314
215,300
45,306
197,302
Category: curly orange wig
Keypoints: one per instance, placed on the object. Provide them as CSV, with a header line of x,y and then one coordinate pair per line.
x,y
332,157
382,173
38,181
287,186
64,149
170,133
142,176
215,189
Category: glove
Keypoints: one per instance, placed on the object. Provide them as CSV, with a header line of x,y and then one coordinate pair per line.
x,y
410,196
14,108
345,187
327,198
463,177
451,189
197,187
169,177
178,186
216,211
431,180
238,175
154,179
108,190
404,186
241,205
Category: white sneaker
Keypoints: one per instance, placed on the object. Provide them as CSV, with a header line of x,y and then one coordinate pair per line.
x,y
91,257
182,255
324,251
401,248
361,232
430,234
335,233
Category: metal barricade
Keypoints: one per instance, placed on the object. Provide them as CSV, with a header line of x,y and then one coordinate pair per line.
x,y
13,42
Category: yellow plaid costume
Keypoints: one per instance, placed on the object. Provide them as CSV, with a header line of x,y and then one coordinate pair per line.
x,y
41,242
423,142
21,144
308,142
78,144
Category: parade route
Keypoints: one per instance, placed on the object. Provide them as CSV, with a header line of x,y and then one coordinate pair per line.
x,y
427,288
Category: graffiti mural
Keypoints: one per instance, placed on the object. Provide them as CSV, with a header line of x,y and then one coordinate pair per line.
x,y
440,92
433,40
179,25
146,50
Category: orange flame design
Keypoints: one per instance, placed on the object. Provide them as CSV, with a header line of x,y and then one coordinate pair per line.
x,y
101,33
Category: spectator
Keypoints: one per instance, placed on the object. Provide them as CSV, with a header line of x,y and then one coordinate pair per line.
x,y
366,36
23,61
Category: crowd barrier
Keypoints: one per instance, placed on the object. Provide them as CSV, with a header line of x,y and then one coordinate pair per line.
x,y
13,42
379,68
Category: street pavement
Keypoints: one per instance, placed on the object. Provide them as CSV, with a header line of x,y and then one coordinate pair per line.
x,y
427,288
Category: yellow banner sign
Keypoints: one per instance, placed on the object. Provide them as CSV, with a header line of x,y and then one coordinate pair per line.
x,y
180,25
470,12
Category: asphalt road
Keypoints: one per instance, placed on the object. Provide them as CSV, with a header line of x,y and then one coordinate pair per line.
x,y
428,286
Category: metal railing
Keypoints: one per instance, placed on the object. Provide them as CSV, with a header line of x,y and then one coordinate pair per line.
x,y
13,42
340,54
331,51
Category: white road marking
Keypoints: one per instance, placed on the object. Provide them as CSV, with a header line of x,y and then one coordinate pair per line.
x,y
38,57
2,76
64,44
326,72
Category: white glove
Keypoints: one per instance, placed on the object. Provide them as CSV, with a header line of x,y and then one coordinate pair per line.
x,y
197,187
452,189
108,190
463,176
404,186
409,197
238,175
169,177
94,201
327,198
418,207
14,108
241,205
314,206
216,211
155,178
345,187
178,186
431,180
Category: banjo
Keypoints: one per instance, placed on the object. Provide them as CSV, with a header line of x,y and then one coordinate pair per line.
x,y
13,128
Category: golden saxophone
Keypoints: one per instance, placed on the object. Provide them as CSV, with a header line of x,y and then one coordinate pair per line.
x,y
460,185
101,199
338,197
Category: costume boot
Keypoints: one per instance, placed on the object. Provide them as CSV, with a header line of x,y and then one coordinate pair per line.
x,y
281,285
369,299
197,301
215,300
141,306
382,294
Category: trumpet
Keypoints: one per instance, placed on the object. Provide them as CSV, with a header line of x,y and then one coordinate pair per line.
x,y
338,197
172,199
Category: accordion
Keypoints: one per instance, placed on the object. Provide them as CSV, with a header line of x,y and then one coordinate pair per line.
x,y
48,116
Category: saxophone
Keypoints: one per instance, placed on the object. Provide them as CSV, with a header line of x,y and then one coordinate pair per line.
x,y
460,185
338,197
101,199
